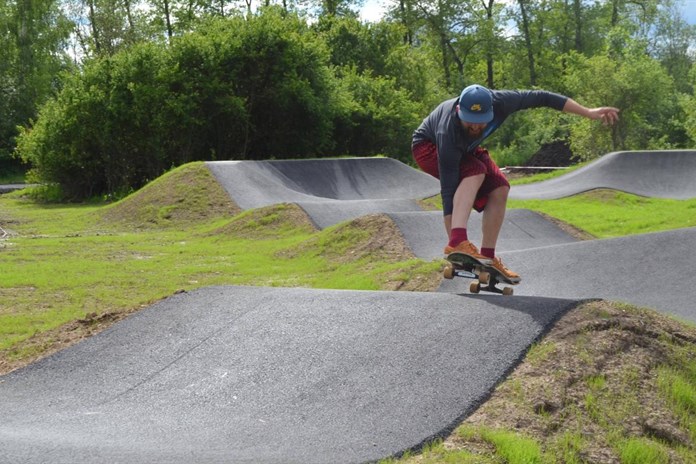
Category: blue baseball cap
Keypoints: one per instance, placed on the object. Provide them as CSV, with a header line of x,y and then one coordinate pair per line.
x,y
476,105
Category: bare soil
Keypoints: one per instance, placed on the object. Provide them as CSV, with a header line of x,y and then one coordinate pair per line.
x,y
594,375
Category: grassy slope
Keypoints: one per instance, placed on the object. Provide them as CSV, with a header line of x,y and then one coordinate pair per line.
x,y
71,270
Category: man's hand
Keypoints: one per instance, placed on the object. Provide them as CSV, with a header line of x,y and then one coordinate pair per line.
x,y
607,114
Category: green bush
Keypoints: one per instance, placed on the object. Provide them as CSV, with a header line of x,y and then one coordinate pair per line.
x,y
237,90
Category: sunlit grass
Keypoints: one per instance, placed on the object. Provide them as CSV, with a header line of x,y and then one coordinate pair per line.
x,y
608,213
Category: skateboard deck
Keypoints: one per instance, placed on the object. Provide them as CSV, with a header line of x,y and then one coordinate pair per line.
x,y
484,278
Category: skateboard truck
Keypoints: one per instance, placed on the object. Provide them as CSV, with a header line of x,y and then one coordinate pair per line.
x,y
483,278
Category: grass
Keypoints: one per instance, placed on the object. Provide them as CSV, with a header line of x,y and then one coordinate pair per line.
x,y
608,213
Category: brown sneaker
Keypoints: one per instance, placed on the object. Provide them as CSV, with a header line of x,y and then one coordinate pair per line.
x,y
469,249
498,265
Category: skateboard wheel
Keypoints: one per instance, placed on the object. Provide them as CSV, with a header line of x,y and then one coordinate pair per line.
x,y
508,291
484,277
475,286
449,272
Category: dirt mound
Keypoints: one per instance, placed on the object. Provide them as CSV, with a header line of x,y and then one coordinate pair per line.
x,y
600,379
186,195
268,222
553,154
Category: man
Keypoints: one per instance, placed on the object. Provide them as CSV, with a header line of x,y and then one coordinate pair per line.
x,y
447,146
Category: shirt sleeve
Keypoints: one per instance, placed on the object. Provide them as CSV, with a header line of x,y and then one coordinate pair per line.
x,y
516,100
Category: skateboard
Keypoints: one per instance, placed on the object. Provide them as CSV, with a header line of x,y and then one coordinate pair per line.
x,y
484,278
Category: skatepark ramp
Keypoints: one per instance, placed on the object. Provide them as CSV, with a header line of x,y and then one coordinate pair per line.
x,y
659,174
278,375
329,190
268,375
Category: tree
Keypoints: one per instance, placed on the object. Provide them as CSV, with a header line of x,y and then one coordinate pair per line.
x,y
631,82
34,33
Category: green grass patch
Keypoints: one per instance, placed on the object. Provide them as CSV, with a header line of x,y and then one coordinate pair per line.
x,y
642,451
609,213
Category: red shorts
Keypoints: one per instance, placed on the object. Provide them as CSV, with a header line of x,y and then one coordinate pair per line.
x,y
425,154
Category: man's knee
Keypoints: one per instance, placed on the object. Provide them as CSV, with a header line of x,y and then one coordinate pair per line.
x,y
475,179
500,193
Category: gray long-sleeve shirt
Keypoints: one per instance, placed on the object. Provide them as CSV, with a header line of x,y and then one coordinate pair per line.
x,y
442,127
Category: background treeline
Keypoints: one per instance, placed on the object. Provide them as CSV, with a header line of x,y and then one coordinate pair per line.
x,y
101,96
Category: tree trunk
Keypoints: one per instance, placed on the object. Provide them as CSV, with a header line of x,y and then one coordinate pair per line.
x,y
489,54
577,11
168,19
95,29
528,42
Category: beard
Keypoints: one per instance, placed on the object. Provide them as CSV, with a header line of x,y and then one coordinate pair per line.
x,y
474,132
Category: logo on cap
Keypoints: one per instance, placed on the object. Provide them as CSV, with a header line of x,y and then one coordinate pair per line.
x,y
475,107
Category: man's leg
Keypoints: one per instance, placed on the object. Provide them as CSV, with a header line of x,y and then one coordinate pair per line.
x,y
456,223
493,216
463,202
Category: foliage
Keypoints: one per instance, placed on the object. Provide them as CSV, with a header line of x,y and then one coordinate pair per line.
x,y
643,92
32,37
240,89
688,104
377,117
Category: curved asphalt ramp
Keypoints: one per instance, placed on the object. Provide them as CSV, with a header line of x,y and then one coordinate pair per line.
x,y
269,375
424,232
651,270
660,174
329,190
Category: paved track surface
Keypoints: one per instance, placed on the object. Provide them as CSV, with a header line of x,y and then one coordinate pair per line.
x,y
619,269
660,174
330,191
425,234
6,188
239,374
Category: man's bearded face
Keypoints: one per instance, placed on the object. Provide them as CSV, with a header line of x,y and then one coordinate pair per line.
x,y
474,130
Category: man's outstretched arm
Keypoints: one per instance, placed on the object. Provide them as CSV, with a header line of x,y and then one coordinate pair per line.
x,y
607,114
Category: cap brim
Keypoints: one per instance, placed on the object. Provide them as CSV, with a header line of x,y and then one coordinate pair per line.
x,y
476,118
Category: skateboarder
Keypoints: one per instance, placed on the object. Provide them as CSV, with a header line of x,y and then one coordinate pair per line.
x,y
447,146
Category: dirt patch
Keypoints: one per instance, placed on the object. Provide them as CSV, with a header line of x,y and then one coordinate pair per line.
x,y
381,240
552,154
594,377
44,344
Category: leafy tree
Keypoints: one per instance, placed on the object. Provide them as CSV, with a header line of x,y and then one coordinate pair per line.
x,y
688,103
644,93
33,34
375,117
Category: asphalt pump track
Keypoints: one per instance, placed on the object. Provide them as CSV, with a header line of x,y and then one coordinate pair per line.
x,y
251,374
